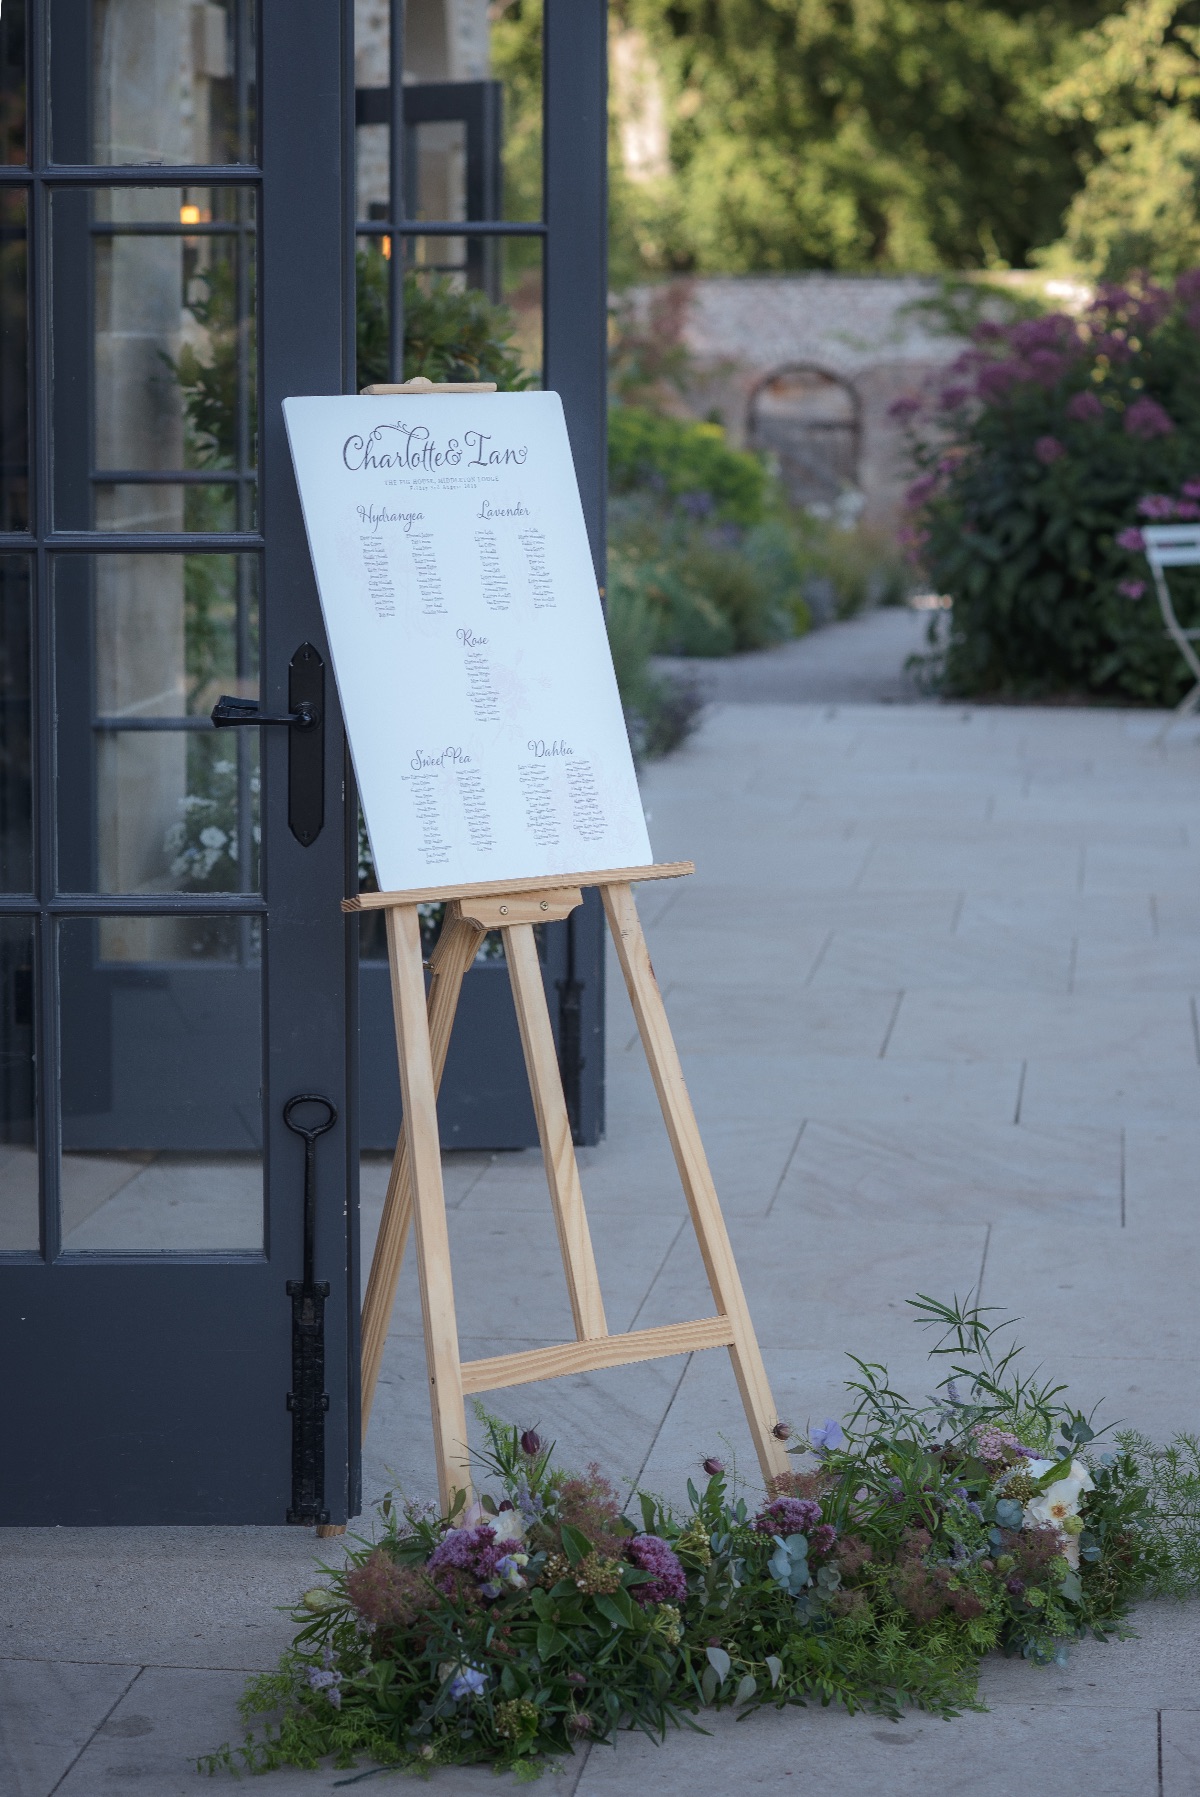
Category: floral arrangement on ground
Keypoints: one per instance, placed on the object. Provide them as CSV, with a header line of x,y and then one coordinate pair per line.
x,y
910,1540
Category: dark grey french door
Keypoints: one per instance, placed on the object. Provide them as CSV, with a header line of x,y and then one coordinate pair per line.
x,y
174,963
179,187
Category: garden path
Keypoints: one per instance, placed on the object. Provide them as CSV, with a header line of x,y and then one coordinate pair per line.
x,y
934,984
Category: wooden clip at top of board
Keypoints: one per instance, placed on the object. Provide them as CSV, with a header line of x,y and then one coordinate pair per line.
x,y
421,384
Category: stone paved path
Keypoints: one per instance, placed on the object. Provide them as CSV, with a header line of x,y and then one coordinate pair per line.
x,y
934,984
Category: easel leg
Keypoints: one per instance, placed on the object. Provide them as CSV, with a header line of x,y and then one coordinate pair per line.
x,y
419,1092
554,1131
690,1158
455,951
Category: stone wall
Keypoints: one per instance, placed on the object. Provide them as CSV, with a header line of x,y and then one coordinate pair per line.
x,y
807,366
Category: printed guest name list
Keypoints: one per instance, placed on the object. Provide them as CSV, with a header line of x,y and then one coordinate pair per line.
x,y
466,636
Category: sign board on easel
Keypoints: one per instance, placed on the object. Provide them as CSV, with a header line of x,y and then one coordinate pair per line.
x,y
466,637
488,741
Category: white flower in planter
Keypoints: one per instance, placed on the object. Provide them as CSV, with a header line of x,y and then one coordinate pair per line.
x,y
1059,1503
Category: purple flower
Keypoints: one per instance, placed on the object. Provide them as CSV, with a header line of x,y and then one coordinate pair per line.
x,y
1191,488
713,1466
1015,1587
696,505
1187,508
920,491
822,1538
1049,449
1130,538
788,1516
782,1431
1146,419
951,398
996,380
904,407
827,1435
1084,408
474,1551
1156,505
669,1583
1131,589
531,1443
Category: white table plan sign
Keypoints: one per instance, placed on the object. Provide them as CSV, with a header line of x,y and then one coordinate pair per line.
x,y
472,663
466,636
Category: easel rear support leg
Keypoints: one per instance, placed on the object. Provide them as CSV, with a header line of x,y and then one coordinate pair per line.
x,y
419,1092
554,1131
455,951
690,1158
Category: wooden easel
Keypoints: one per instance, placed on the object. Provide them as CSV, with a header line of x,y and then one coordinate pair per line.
x,y
415,1195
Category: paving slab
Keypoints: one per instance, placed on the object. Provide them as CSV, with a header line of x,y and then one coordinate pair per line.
x,y
933,984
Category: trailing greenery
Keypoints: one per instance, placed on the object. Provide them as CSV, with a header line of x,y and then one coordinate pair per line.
x,y
1052,438
906,1545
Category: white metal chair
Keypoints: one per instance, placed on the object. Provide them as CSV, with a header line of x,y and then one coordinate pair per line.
x,y
1175,546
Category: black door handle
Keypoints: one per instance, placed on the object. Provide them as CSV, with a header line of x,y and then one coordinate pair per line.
x,y
306,746
229,711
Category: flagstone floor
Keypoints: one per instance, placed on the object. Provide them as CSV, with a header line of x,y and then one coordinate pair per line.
x,y
934,985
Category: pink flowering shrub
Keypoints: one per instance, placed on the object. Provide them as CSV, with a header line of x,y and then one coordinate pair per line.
x,y
1051,439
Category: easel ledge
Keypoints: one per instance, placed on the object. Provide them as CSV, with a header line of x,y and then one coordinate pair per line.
x,y
425,895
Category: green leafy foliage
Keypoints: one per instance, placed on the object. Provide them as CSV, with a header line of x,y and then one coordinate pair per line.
x,y
675,458
1136,83
451,333
1052,439
876,1575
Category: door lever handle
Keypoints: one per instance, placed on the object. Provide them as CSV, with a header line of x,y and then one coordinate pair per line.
x,y
229,711
305,722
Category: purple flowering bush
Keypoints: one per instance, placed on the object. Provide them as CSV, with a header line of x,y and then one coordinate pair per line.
x,y
909,1541
1036,459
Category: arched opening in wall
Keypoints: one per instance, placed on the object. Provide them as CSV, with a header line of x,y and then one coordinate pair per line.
x,y
810,421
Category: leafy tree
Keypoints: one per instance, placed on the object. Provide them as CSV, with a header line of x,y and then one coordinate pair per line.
x,y
860,134
1137,84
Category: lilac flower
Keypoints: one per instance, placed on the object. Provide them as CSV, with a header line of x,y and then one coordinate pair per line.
x,y
1187,508
922,489
327,1680
1130,538
474,1551
826,1436
1048,450
993,1444
950,398
1191,488
1084,408
1146,419
904,407
1156,505
713,1466
1131,589
651,1554
788,1516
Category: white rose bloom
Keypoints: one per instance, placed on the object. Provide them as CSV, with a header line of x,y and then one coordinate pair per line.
x,y
1059,1501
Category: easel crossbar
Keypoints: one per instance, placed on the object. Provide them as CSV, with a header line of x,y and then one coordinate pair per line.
x,y
589,1356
